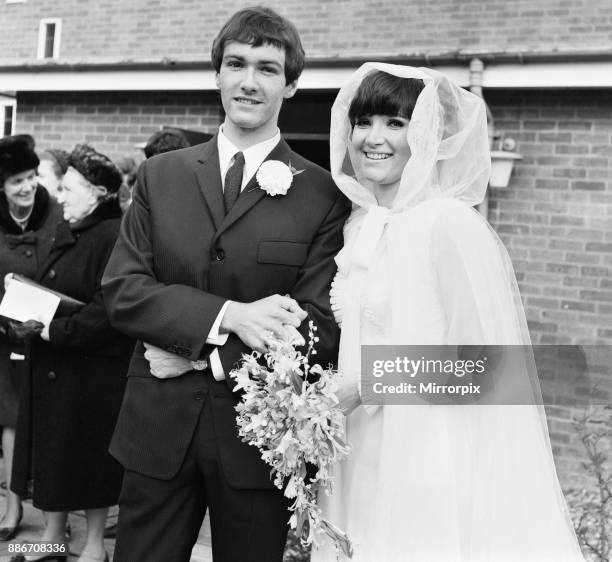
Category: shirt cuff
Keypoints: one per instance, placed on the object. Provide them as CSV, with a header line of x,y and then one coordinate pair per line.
x,y
214,337
216,366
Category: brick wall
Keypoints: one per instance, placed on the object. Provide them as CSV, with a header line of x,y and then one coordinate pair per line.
x,y
555,218
113,30
111,122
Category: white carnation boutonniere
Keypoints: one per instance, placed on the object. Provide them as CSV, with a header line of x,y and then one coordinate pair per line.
x,y
275,177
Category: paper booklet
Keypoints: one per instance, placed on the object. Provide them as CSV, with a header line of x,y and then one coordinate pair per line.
x,y
25,299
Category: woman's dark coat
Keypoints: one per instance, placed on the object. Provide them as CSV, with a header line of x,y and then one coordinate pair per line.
x,y
21,252
72,397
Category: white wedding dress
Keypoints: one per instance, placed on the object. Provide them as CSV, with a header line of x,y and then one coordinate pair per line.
x,y
437,483
445,483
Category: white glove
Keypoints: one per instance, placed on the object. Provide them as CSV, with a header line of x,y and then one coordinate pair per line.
x,y
7,280
165,365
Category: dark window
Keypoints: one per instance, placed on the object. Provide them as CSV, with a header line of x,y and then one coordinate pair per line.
x,y
304,120
8,120
49,40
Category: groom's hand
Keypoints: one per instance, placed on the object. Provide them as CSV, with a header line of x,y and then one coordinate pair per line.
x,y
252,322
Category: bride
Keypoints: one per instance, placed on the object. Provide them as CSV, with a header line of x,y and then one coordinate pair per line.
x,y
432,483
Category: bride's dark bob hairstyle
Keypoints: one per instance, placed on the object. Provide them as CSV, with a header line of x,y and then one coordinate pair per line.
x,y
259,26
381,93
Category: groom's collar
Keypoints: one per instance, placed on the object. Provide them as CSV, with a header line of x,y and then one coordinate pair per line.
x,y
253,155
209,179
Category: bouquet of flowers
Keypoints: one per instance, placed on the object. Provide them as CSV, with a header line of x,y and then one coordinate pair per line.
x,y
290,412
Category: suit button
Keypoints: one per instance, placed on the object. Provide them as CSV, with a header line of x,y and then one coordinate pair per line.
x,y
52,274
199,395
28,253
51,375
220,255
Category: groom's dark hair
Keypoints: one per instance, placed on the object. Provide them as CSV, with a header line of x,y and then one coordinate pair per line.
x,y
259,26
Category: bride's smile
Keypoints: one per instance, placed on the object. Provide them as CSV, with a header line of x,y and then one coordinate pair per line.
x,y
381,145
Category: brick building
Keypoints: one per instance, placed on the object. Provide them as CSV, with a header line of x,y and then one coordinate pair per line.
x,y
111,73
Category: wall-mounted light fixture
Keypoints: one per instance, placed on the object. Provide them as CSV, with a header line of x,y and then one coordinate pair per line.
x,y
502,162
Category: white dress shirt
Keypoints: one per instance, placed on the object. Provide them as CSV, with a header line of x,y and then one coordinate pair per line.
x,y
253,155
253,159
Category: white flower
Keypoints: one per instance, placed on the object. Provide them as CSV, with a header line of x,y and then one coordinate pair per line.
x,y
274,177
243,380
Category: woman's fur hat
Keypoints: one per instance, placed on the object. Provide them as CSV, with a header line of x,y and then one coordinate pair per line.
x,y
95,167
16,155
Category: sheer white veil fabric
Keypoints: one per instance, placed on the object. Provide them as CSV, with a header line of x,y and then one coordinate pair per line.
x,y
447,136
452,483
447,173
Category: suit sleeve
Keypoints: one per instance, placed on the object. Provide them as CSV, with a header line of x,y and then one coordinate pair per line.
x,y
174,317
314,282
311,291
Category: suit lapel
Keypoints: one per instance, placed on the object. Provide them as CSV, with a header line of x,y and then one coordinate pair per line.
x,y
252,193
209,180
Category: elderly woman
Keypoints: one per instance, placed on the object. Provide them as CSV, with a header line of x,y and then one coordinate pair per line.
x,y
78,366
28,218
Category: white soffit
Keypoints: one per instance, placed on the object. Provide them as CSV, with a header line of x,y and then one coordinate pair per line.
x,y
155,80
549,75
107,80
532,75
335,78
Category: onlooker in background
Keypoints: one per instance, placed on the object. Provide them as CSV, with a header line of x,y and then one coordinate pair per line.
x,y
124,198
128,168
74,387
28,218
164,141
51,170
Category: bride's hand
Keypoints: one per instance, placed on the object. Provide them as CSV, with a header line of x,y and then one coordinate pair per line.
x,y
293,336
252,322
165,365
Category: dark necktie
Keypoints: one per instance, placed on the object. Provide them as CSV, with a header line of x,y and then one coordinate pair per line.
x,y
233,181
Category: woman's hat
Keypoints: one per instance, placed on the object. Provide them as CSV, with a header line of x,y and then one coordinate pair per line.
x,y
17,155
95,167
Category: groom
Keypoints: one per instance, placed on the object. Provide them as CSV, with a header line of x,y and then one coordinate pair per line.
x,y
207,265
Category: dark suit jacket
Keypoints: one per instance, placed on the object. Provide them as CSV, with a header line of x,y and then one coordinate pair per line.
x,y
178,259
